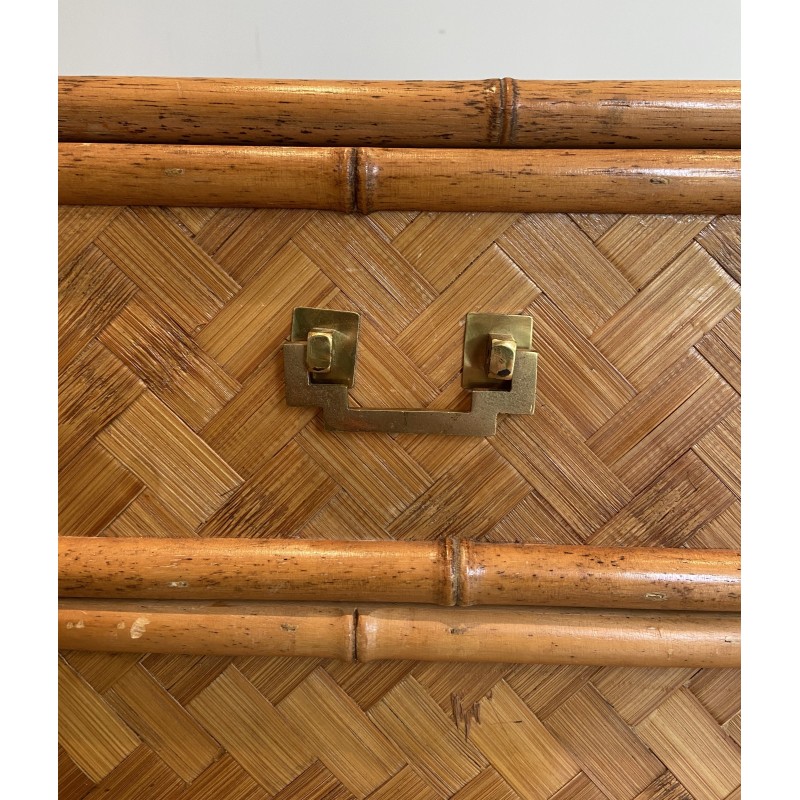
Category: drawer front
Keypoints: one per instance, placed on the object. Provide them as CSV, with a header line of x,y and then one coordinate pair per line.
x,y
174,423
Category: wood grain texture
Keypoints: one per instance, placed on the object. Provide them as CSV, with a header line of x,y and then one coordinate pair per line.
x,y
507,732
697,752
252,730
494,112
90,297
148,247
488,784
190,476
95,387
348,742
383,179
405,785
407,715
571,483
315,783
142,772
169,362
80,709
96,488
163,723
600,741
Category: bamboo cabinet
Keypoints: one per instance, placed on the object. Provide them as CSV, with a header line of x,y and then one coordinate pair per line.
x,y
399,439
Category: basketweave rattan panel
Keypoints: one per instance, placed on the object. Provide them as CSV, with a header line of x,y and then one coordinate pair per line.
x,y
173,422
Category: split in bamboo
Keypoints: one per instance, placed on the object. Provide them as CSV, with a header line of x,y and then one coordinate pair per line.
x,y
372,179
484,113
446,572
422,633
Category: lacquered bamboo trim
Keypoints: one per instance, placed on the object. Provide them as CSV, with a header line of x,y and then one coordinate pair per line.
x,y
483,113
421,633
271,629
181,175
447,572
578,181
247,569
599,577
549,636
636,114
369,179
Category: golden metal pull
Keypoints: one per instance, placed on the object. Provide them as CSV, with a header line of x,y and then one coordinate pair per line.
x,y
499,368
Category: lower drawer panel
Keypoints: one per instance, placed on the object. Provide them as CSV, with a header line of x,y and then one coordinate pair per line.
x,y
173,423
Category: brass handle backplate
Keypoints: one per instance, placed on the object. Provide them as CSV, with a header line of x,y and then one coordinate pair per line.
x,y
499,368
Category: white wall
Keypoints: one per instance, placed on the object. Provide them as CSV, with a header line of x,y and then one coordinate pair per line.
x,y
402,39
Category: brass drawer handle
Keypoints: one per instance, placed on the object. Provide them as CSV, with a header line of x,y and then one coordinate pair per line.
x,y
499,368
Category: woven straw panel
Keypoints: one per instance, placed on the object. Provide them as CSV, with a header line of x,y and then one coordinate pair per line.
x,y
173,423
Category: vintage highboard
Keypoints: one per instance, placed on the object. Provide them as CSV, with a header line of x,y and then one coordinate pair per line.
x,y
399,439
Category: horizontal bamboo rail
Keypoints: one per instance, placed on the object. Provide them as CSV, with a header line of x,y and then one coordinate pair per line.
x,y
272,629
424,633
373,179
549,636
485,113
446,572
